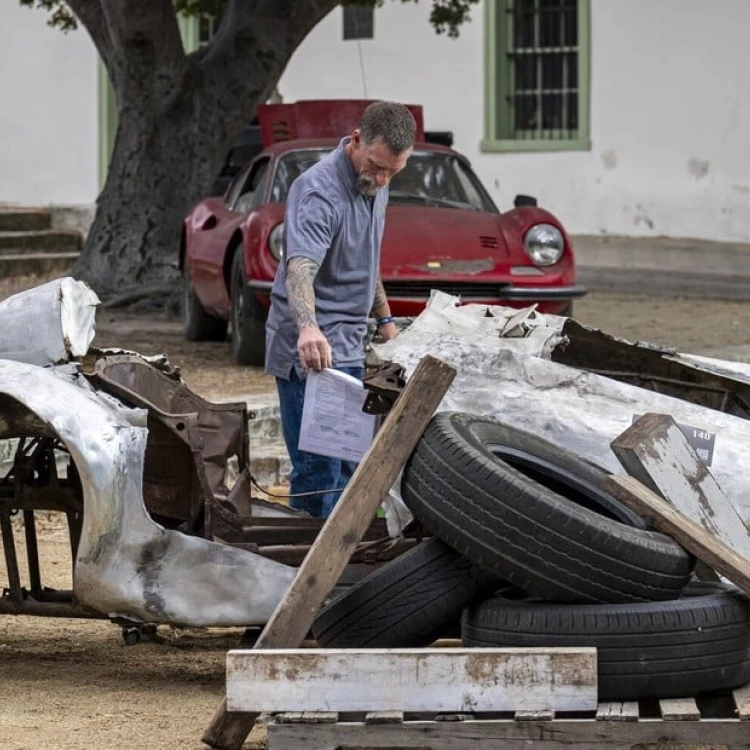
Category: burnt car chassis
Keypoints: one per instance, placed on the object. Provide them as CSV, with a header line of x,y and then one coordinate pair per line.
x,y
185,486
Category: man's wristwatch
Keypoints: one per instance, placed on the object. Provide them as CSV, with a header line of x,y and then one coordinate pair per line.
x,y
386,319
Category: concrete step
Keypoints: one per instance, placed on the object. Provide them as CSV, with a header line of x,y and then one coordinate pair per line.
x,y
25,219
264,425
269,460
34,263
270,465
56,240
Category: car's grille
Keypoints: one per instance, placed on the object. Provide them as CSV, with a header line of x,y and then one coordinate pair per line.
x,y
463,289
489,242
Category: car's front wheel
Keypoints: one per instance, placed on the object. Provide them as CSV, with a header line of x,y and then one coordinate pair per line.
x,y
197,324
248,319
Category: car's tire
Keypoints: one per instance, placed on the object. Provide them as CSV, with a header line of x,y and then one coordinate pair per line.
x,y
674,649
409,601
526,533
197,324
248,319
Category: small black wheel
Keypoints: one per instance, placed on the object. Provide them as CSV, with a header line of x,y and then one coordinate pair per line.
x,y
149,629
132,636
248,332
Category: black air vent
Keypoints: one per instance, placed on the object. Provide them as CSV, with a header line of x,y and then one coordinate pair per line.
x,y
488,241
465,290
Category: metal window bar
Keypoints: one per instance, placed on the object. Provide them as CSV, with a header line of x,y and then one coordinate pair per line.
x,y
538,47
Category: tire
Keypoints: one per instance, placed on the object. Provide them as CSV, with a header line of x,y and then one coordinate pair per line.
x,y
410,601
527,533
248,319
672,649
197,324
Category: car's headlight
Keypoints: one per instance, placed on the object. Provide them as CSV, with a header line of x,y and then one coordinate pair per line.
x,y
544,244
276,241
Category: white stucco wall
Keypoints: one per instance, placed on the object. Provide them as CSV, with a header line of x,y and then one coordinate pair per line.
x,y
670,111
48,111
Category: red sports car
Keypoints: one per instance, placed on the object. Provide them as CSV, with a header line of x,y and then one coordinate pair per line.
x,y
443,231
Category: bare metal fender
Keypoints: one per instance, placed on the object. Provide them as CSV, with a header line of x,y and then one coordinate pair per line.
x,y
127,565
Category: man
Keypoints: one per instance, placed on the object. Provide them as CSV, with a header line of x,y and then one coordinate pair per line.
x,y
329,282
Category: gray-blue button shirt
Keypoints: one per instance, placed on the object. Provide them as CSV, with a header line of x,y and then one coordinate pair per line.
x,y
329,221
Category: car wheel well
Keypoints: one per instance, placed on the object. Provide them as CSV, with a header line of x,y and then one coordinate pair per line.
x,y
234,244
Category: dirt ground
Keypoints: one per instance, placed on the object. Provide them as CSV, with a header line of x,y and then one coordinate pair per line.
x,y
73,684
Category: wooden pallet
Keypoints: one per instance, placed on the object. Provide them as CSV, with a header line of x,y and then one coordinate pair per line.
x,y
714,722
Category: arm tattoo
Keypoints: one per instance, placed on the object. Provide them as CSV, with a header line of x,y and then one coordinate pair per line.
x,y
300,273
380,302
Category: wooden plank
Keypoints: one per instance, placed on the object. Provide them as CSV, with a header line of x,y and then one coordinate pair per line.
x,y
307,717
679,709
689,534
560,734
617,711
343,529
742,701
385,717
412,679
655,451
545,715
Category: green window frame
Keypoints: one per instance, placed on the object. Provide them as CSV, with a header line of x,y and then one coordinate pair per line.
x,y
537,75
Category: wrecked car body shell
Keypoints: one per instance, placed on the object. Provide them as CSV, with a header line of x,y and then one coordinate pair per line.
x,y
578,387
153,481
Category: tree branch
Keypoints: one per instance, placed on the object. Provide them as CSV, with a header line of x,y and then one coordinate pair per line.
x,y
253,46
91,16
147,46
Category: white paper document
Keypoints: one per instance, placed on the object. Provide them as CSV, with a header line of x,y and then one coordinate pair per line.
x,y
333,423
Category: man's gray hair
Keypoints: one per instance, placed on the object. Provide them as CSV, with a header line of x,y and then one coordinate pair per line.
x,y
392,122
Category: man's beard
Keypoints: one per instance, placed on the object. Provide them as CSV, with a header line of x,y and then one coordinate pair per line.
x,y
367,186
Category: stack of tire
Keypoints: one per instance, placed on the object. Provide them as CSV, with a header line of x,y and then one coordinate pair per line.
x,y
527,549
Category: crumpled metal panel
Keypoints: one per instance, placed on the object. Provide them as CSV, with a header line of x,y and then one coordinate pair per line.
x,y
48,324
127,565
512,379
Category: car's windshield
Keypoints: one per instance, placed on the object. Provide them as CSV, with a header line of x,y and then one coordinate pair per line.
x,y
430,178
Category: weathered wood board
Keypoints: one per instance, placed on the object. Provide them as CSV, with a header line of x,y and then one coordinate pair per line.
x,y
345,527
686,532
423,679
656,452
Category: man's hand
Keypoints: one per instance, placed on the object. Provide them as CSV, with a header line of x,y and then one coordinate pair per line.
x,y
388,331
313,349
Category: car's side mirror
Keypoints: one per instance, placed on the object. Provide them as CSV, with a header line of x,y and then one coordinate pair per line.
x,y
524,200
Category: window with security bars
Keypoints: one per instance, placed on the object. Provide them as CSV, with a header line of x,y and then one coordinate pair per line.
x,y
538,71
207,28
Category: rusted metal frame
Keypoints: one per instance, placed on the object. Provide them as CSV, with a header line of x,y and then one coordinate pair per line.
x,y
294,554
185,425
75,523
45,455
649,378
384,384
35,608
15,592
32,554
594,351
189,432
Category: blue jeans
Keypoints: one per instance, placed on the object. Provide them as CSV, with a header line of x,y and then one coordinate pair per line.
x,y
310,472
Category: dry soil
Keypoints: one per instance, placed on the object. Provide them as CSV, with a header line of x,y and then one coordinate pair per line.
x,y
73,684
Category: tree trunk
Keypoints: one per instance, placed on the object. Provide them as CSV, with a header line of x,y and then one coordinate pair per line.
x,y
177,117
162,164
